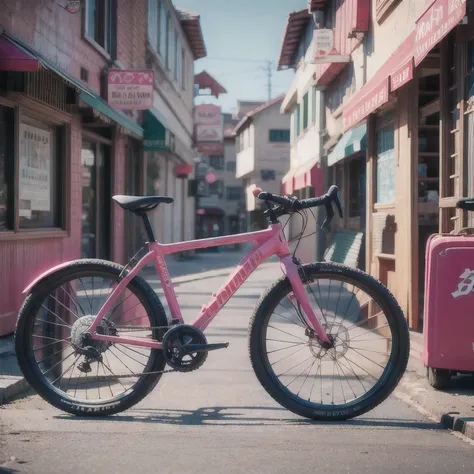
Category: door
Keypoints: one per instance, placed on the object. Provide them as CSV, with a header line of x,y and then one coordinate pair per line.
x,y
96,200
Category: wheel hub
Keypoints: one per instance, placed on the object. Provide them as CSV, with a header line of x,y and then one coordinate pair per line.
x,y
82,341
339,343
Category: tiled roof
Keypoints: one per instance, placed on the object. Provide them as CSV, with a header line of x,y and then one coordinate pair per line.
x,y
191,24
205,81
258,110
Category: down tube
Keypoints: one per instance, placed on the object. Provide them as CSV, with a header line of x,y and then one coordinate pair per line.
x,y
238,277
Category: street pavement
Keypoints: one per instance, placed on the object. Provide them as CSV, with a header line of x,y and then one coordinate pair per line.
x,y
220,420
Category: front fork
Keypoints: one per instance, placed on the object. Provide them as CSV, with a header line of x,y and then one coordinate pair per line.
x,y
290,269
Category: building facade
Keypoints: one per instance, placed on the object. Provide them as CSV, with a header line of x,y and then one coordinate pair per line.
x,y
174,42
65,149
396,136
263,154
304,103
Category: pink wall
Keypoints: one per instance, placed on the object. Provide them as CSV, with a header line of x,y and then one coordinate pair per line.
x,y
57,35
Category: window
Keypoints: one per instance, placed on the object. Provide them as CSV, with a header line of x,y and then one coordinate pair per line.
x,y
163,29
313,113
386,165
170,63
100,24
179,62
305,111
183,69
216,187
175,54
298,120
7,157
268,175
282,136
153,23
356,187
38,186
234,193
216,162
231,166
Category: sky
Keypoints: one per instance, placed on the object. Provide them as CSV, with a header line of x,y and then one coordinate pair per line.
x,y
241,36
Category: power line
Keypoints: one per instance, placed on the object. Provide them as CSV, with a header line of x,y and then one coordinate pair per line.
x,y
239,60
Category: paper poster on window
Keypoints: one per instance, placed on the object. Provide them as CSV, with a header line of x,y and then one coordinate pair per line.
x,y
386,177
35,169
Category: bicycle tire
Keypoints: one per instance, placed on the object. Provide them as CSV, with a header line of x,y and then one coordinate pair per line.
x,y
401,343
30,369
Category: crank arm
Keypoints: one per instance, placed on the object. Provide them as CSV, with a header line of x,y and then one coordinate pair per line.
x,y
190,348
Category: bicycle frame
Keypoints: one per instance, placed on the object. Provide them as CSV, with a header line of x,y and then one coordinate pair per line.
x,y
268,242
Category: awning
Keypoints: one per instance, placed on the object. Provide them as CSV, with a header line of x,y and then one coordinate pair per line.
x,y
435,24
120,118
310,174
397,71
351,142
288,182
14,58
154,131
79,85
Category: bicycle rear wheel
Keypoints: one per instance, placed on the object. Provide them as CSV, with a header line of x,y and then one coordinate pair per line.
x,y
56,361
370,352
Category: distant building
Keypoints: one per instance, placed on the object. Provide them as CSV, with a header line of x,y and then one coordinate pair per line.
x,y
263,154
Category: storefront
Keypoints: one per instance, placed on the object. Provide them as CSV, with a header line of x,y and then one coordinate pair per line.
x,y
62,157
419,151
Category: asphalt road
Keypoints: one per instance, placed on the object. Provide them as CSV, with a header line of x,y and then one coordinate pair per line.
x,y
220,420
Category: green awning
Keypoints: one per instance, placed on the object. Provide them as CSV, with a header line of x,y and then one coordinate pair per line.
x,y
357,141
351,142
103,107
154,134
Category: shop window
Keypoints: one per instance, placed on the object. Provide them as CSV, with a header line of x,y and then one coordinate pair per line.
x,y
7,157
38,187
356,187
386,162
100,24
216,162
39,175
234,193
281,136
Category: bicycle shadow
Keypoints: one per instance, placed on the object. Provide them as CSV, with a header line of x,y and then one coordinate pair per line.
x,y
239,416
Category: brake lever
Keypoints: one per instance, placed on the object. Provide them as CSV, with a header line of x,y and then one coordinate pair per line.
x,y
329,215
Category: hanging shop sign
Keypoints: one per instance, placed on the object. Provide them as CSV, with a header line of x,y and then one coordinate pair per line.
x,y
130,89
324,50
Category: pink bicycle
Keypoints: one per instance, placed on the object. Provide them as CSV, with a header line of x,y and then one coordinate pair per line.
x,y
98,359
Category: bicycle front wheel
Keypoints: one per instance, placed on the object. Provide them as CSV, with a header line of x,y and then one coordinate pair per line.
x,y
369,352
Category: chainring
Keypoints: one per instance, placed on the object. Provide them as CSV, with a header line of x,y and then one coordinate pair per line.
x,y
173,342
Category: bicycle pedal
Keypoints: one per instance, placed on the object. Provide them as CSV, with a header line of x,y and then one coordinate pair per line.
x,y
189,348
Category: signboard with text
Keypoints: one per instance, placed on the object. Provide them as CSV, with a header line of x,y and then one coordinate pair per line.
x,y
130,89
209,124
435,24
324,50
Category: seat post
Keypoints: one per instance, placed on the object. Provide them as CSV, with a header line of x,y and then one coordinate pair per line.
x,y
148,227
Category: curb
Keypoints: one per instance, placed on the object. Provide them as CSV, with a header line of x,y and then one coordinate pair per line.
x,y
441,406
11,387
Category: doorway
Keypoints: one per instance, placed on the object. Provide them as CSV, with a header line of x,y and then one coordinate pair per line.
x,y
96,200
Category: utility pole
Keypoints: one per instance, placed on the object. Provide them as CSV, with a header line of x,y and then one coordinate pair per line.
x,y
269,85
